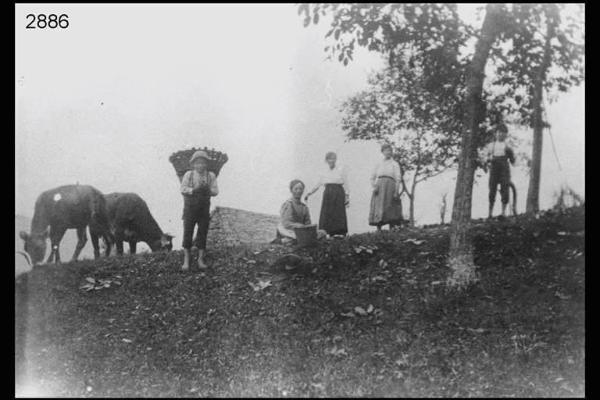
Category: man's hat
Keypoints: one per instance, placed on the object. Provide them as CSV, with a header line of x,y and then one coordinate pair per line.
x,y
199,154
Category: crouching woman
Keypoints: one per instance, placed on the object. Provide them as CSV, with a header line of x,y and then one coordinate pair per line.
x,y
197,187
294,214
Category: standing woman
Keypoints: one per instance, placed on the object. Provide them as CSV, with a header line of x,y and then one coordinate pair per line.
x,y
335,198
197,187
386,207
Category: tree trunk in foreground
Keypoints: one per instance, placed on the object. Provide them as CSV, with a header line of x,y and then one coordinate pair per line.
x,y
533,192
412,210
412,200
460,258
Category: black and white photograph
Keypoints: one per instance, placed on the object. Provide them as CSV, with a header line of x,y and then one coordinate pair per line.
x,y
300,200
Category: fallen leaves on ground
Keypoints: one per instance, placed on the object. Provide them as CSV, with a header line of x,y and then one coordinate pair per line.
x,y
414,241
260,285
336,351
98,284
215,337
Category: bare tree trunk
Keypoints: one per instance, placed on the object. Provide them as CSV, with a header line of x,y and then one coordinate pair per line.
x,y
460,258
443,209
412,210
533,192
533,201
413,189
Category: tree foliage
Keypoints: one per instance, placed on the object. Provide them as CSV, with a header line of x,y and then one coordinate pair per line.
x,y
395,109
432,33
434,38
424,43
532,30
389,112
434,41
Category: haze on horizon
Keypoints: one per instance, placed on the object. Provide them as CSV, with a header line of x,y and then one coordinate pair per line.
x,y
107,101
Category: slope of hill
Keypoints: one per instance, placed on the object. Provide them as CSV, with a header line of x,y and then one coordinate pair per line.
x,y
365,316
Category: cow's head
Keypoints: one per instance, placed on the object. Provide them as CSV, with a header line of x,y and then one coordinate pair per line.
x,y
35,245
166,242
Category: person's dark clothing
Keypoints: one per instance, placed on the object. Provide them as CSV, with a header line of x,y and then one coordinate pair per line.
x,y
500,174
333,210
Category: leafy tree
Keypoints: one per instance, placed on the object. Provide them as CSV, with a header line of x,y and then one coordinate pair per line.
x,y
396,110
433,36
423,130
461,252
546,53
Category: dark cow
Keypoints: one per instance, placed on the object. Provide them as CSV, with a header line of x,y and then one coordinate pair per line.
x,y
131,221
62,208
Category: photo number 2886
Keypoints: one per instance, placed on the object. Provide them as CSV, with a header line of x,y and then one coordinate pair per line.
x,y
43,21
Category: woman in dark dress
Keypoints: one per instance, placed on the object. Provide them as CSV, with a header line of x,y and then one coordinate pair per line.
x,y
335,198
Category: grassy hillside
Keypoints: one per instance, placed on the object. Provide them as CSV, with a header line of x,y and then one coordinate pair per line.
x,y
155,331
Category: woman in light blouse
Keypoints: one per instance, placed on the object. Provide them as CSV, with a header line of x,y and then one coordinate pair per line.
x,y
386,207
335,198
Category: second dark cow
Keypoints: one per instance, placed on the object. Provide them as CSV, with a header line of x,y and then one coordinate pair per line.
x,y
131,221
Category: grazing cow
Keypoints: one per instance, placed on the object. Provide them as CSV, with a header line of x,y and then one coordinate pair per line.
x,y
131,221
62,208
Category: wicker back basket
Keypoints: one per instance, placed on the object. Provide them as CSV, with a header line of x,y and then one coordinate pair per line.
x,y
181,161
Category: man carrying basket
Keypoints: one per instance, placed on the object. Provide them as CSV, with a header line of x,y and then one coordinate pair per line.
x,y
198,185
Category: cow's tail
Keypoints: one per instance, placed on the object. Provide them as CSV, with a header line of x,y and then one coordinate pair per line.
x,y
513,204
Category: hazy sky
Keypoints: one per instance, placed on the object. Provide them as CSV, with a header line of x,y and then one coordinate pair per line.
x,y
106,101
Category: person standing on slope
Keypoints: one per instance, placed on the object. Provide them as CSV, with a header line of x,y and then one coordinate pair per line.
x,y
335,198
197,187
386,181
499,154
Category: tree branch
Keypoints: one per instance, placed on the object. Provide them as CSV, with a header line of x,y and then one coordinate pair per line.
x,y
429,176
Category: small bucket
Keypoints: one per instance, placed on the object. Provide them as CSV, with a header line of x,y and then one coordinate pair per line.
x,y
306,236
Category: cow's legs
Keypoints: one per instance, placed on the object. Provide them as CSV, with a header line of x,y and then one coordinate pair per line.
x,y
119,241
81,241
132,246
119,246
56,235
95,244
109,242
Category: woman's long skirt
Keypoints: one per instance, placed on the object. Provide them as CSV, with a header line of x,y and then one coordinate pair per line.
x,y
333,210
384,208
